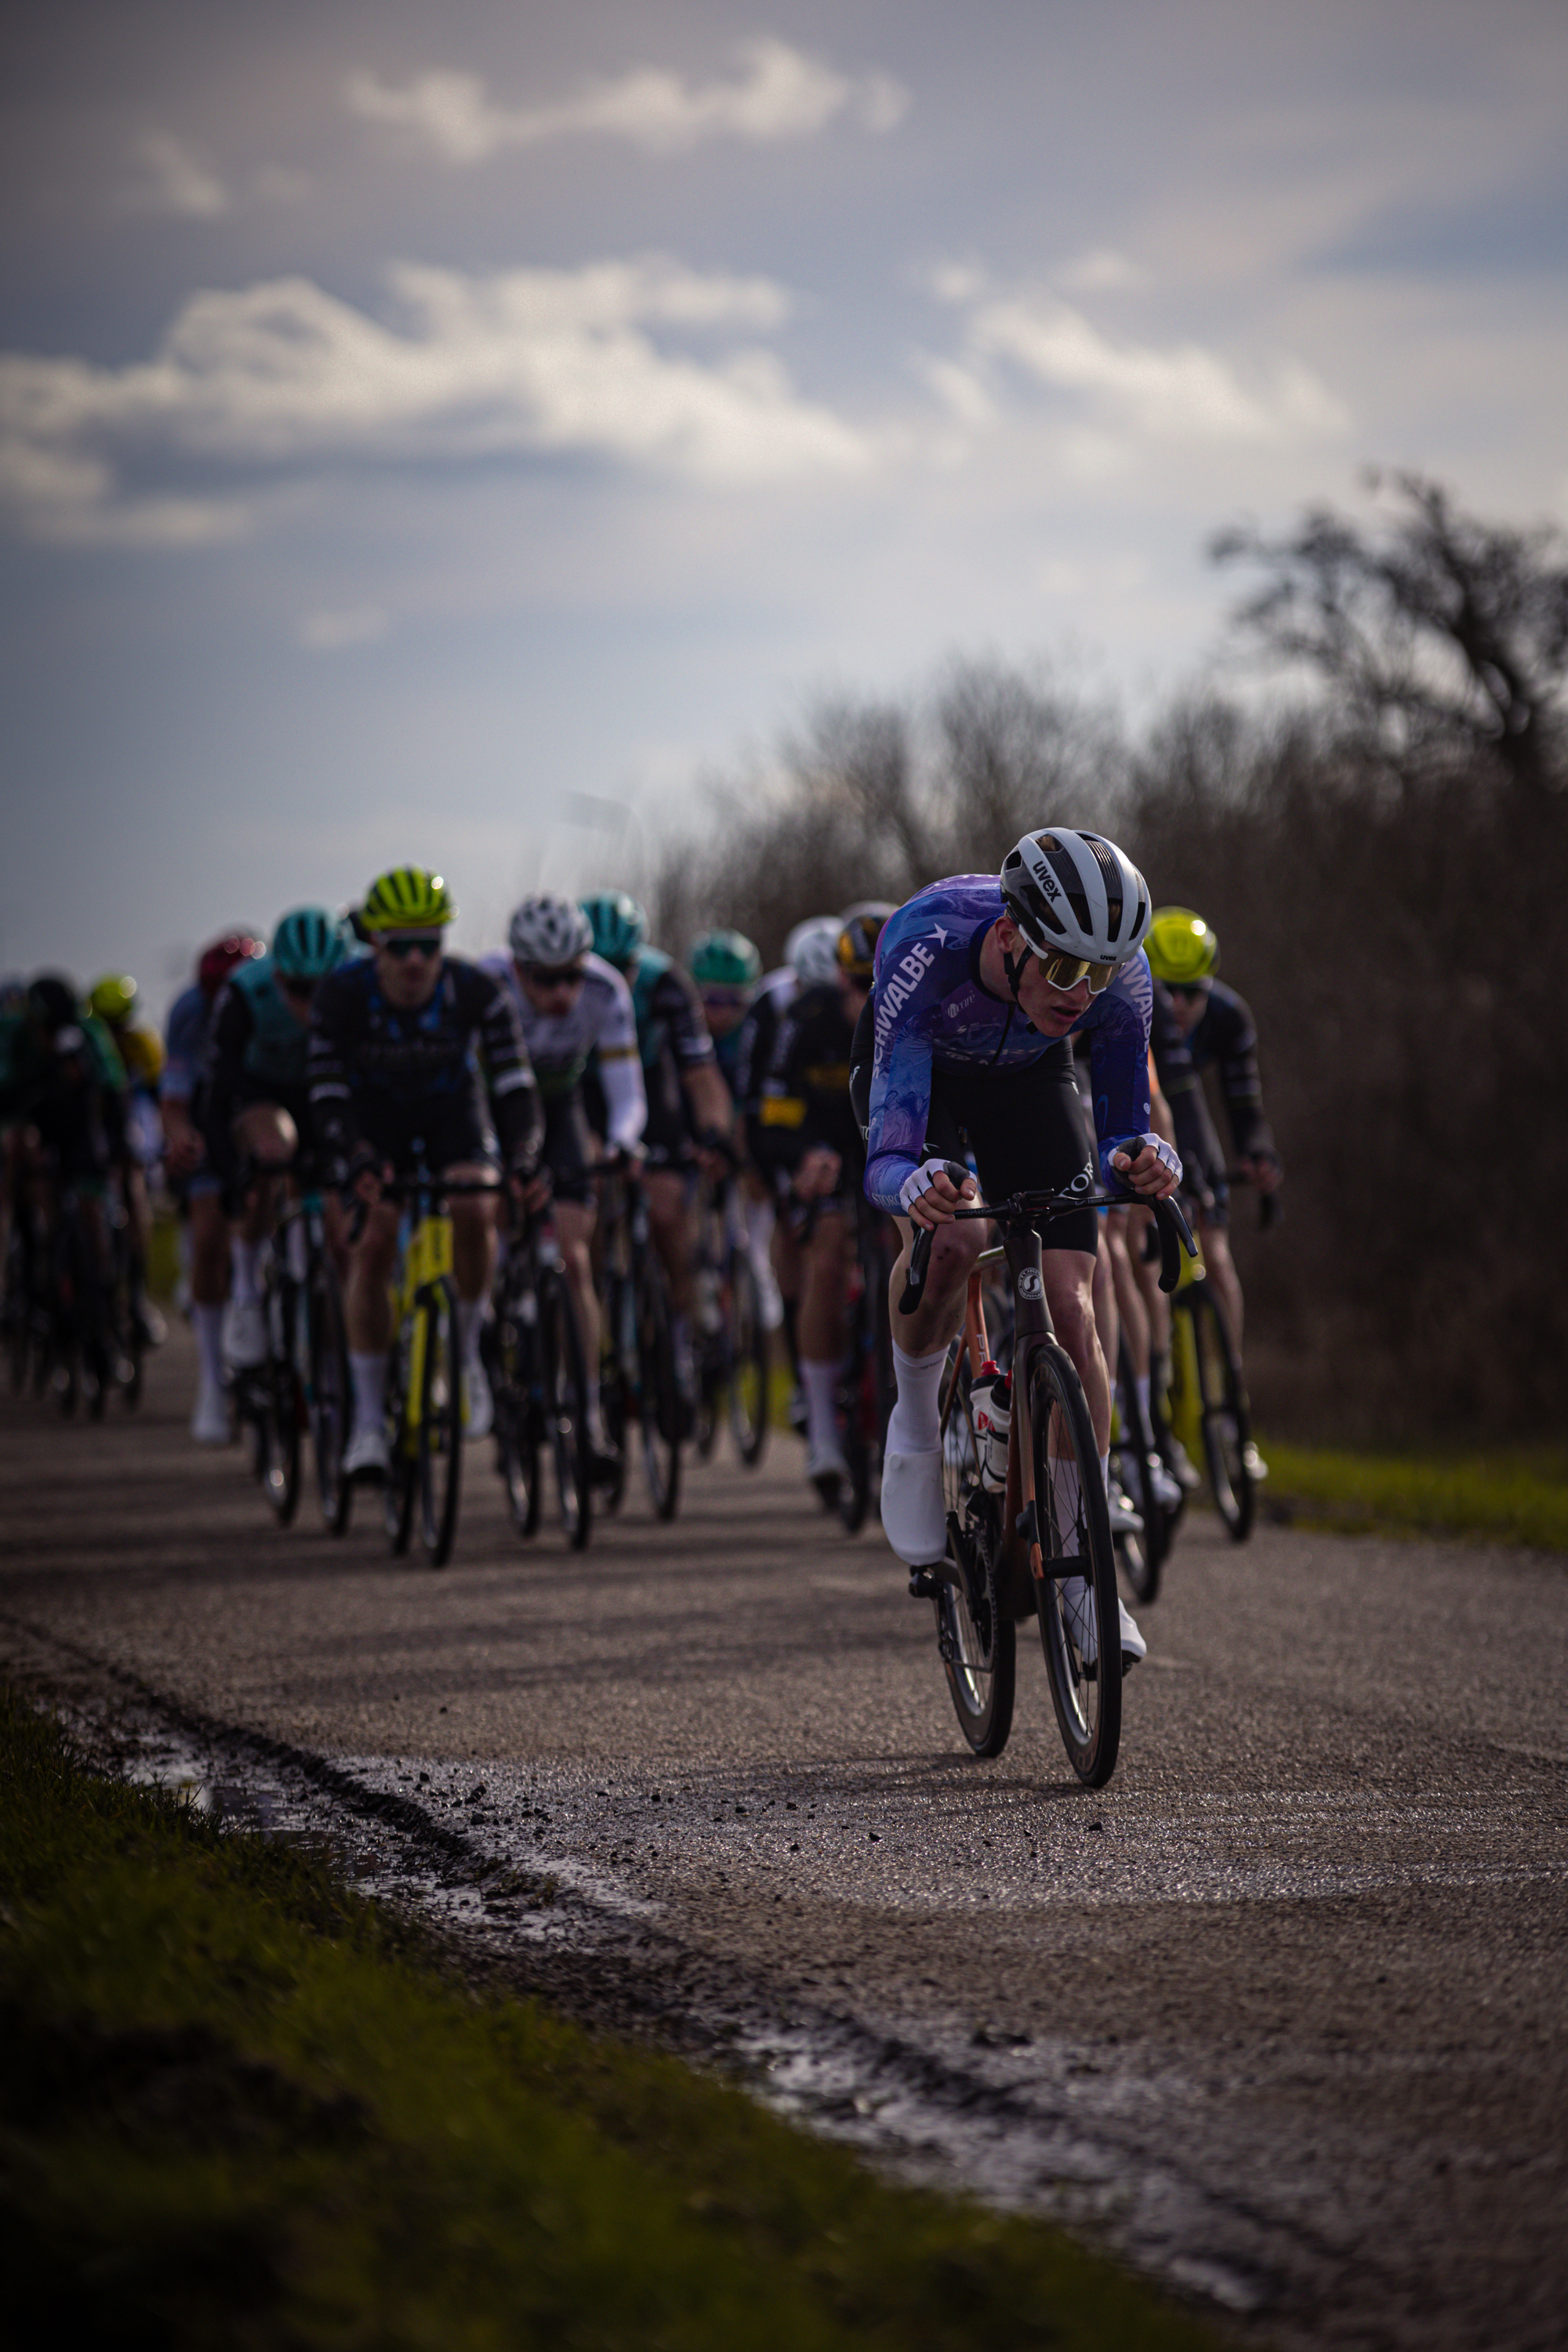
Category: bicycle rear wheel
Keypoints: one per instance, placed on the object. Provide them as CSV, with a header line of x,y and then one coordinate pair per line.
x,y
566,1405
331,1393
509,1349
1226,1426
977,1641
749,1357
1080,1620
278,1403
398,1495
438,1469
1141,1557
659,1403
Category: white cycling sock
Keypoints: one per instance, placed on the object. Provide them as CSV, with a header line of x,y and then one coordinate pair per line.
x,y
207,1323
1105,1472
820,1380
242,1257
470,1323
1141,1383
370,1390
759,1229
914,1425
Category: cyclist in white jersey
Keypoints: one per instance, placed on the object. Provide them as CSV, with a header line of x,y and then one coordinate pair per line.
x,y
572,1005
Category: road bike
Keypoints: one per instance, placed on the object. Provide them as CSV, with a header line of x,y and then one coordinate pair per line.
x,y
1206,1404
1141,1551
539,1381
302,1382
729,1338
865,1390
60,1329
1042,1547
638,1389
424,1403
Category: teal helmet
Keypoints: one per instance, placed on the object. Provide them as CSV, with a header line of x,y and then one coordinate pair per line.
x,y
619,924
724,960
308,943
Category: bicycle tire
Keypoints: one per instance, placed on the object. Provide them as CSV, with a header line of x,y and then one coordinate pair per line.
x,y
509,1351
1143,1557
285,1404
332,1395
615,1404
401,1464
750,1357
1226,1424
130,1288
1088,1699
440,1458
659,1402
18,1307
977,1639
565,1406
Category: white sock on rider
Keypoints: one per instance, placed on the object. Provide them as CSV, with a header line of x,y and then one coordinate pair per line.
x,y
207,1323
759,1229
1105,1471
470,1323
1141,1383
914,1425
820,1380
242,1258
370,1390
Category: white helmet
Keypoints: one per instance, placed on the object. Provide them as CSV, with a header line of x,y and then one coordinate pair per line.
x,y
1076,894
550,931
811,950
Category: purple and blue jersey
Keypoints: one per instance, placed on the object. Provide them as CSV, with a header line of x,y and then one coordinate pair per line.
x,y
931,1013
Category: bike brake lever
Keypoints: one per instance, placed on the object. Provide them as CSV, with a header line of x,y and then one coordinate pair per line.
x,y
1176,1235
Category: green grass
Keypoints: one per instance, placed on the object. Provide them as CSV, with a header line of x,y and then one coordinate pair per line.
x,y
241,2107
1513,1497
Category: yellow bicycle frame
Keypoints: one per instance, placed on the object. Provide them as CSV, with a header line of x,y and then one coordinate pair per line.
x,y
426,1259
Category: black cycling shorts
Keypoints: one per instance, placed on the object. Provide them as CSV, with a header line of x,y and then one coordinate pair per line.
x,y
445,1131
1026,1130
71,1128
568,1147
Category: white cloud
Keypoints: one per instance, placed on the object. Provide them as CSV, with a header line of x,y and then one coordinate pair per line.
x,y
1180,392
778,93
529,363
172,178
1103,271
331,632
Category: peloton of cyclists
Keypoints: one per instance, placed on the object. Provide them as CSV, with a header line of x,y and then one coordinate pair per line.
x,y
197,1187
980,981
394,1080
254,1100
142,1056
688,1109
573,1007
62,1105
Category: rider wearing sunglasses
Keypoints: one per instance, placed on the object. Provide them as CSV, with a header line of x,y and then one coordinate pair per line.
x,y
963,1050
254,1102
415,1054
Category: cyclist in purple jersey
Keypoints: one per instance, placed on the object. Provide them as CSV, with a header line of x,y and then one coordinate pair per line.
x,y
980,981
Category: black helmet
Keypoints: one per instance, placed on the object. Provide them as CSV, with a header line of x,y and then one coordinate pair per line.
x,y
52,1004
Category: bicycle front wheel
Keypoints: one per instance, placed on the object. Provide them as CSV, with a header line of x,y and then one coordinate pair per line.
x,y
566,1406
1081,1618
1227,1427
661,1401
977,1641
439,1451
749,1354
332,1395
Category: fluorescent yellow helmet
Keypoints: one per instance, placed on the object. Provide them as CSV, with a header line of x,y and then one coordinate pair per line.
x,y
1181,946
406,899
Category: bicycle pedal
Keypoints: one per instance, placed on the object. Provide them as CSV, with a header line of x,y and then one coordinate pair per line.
x,y
923,1585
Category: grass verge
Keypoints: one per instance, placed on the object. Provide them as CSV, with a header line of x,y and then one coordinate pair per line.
x,y
241,2107
1518,1498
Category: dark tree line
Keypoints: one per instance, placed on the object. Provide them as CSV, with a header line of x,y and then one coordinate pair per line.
x,y
1384,867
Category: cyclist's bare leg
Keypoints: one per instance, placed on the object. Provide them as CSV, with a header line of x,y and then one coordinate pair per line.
x,y
1129,1297
1069,1295
823,1330
1220,1267
669,1216
939,1318
367,1300
1106,1321
266,1133
473,1234
574,1222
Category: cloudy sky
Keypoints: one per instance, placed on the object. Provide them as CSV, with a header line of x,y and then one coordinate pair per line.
x,y
451,433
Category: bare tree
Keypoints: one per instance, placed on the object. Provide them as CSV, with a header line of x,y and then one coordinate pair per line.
x,y
1454,629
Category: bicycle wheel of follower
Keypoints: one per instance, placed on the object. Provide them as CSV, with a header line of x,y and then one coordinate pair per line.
x,y
1080,1620
749,1358
18,1307
287,1403
659,1404
508,1349
565,1405
617,1337
1226,1426
403,1445
978,1643
440,1452
1140,1557
331,1393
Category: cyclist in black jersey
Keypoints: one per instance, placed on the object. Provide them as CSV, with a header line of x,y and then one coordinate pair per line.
x,y
412,1053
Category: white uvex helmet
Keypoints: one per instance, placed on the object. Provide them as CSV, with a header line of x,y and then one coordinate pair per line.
x,y
550,931
811,950
1076,894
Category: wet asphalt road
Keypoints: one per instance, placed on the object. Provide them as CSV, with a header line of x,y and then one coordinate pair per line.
x,y
1280,2014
